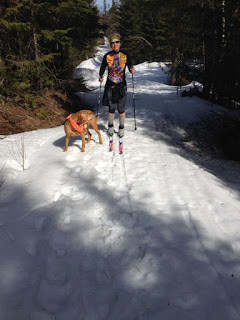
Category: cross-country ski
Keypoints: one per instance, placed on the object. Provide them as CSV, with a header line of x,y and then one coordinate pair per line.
x,y
120,146
111,143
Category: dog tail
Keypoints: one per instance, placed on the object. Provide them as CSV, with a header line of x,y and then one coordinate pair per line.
x,y
98,117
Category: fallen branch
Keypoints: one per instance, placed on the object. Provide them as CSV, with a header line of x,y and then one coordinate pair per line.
x,y
1,138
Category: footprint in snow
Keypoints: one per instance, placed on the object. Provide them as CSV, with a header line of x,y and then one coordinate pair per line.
x,y
53,297
30,247
57,196
41,222
73,155
41,315
73,192
65,219
2,220
86,156
185,301
59,242
70,158
103,273
56,271
112,183
102,165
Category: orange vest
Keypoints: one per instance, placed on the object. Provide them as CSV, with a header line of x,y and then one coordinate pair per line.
x,y
77,127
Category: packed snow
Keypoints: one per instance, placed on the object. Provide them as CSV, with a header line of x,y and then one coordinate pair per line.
x,y
147,235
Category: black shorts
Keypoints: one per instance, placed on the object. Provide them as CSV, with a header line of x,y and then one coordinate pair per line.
x,y
120,103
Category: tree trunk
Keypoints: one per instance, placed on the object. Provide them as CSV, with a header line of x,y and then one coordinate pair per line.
x,y
35,44
206,82
223,24
34,35
154,27
175,67
36,50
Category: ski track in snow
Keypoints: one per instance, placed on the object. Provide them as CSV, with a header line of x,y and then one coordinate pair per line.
x,y
146,235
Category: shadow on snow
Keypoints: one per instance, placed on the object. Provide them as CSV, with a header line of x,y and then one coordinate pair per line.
x,y
130,265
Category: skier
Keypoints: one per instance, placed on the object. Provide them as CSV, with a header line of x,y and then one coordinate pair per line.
x,y
115,88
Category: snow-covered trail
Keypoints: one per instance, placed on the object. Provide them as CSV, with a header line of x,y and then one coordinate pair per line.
x,y
146,235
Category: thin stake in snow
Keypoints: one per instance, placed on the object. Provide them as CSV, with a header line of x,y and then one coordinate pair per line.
x,y
18,152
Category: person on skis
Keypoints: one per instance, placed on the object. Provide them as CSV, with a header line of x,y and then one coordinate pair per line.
x,y
115,91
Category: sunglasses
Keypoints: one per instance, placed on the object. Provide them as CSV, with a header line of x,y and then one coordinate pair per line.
x,y
113,42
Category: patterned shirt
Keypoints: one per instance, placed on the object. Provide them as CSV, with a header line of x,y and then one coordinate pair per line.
x,y
116,63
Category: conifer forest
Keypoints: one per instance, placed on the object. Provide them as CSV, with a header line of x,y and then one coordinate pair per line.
x,y
119,159
42,41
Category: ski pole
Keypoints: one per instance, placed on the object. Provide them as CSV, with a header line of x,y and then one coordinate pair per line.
x,y
134,106
99,98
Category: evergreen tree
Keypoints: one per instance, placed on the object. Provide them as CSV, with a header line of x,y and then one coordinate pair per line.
x,y
163,30
131,28
111,20
104,7
41,39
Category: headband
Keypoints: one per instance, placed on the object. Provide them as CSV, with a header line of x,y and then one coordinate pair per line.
x,y
115,37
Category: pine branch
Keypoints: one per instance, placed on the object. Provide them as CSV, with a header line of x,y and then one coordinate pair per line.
x,y
142,39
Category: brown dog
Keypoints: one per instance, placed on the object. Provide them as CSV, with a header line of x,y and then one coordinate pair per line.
x,y
78,124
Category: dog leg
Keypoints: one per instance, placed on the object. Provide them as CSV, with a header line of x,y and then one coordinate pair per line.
x,y
89,135
95,127
83,141
66,143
